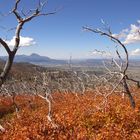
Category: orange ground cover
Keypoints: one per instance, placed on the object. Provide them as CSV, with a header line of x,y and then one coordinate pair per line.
x,y
77,118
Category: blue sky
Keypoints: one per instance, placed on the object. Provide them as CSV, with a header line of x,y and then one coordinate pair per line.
x,y
61,35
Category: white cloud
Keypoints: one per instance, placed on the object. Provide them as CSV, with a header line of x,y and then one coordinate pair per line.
x,y
100,53
138,21
135,52
120,35
131,35
24,42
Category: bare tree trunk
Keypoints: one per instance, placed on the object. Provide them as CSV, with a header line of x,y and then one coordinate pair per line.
x,y
6,69
127,91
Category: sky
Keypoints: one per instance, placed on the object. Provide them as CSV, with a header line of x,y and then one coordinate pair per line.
x,y
61,35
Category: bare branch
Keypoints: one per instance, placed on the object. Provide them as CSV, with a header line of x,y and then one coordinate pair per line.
x,y
115,62
122,72
120,58
4,44
112,38
133,80
2,129
19,18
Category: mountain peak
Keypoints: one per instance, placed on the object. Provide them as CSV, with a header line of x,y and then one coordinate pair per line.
x,y
34,54
36,59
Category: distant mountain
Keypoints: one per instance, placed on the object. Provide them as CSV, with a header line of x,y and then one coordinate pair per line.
x,y
46,61
36,59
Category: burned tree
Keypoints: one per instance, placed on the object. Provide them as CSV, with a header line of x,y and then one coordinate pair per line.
x,y
122,66
22,18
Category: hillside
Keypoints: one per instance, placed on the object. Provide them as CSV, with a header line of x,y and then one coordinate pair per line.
x,y
36,59
22,70
74,115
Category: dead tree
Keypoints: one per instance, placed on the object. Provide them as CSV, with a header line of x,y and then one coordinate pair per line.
x,y
43,90
22,19
47,96
122,66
